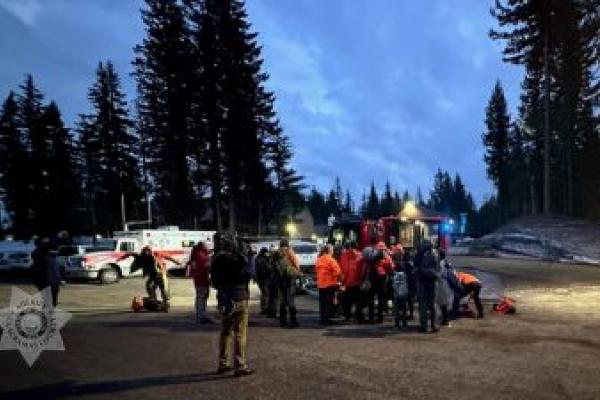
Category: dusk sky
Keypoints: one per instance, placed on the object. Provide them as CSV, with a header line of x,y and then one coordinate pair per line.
x,y
367,90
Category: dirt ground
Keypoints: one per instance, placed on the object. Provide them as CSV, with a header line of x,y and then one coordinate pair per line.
x,y
549,350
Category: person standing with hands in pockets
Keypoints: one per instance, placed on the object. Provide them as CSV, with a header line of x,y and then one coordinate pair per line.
x,y
199,270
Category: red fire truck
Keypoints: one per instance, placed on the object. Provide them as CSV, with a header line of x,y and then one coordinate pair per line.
x,y
409,228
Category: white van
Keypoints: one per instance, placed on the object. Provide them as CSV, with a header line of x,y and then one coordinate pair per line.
x,y
104,261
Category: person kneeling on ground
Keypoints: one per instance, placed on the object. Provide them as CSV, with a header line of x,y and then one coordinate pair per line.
x,y
230,276
329,275
400,289
470,285
154,269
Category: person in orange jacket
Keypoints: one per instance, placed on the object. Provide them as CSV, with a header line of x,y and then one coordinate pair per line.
x,y
469,285
329,275
352,270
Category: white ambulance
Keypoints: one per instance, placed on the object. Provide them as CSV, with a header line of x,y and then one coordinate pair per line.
x,y
103,260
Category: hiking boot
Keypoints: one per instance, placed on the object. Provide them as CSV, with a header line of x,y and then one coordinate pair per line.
x,y
243,372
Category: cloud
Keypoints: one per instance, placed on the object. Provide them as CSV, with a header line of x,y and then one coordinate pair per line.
x,y
26,10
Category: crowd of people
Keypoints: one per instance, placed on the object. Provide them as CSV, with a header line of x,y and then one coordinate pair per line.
x,y
349,282
354,281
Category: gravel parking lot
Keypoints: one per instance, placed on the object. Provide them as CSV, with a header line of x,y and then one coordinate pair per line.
x,y
548,350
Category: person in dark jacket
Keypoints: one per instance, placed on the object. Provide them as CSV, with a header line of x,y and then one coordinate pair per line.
x,y
285,262
408,265
263,276
39,266
45,269
151,266
427,273
230,276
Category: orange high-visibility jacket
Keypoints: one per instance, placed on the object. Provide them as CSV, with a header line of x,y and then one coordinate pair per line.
x,y
352,267
466,279
328,271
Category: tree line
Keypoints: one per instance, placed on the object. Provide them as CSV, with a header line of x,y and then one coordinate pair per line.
x,y
449,196
543,160
203,143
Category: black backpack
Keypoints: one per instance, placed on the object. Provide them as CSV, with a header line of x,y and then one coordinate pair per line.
x,y
429,267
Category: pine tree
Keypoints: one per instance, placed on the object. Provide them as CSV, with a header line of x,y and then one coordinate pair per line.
x,y
397,203
234,109
14,162
61,211
109,148
317,207
372,209
495,140
333,205
387,201
163,75
37,143
419,200
348,203
531,43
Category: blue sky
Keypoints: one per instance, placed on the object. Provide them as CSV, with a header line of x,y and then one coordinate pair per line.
x,y
366,90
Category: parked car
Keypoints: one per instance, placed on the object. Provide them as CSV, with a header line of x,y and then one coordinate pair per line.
x,y
15,254
307,253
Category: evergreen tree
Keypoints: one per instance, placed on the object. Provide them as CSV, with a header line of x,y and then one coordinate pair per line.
x,y
332,204
406,197
14,173
163,75
32,131
387,201
495,140
61,211
317,207
397,203
109,149
419,200
518,186
372,209
247,149
348,203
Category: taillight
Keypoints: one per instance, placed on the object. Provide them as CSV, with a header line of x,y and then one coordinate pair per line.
x,y
84,262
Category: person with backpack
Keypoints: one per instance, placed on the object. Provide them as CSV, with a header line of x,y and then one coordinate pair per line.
x,y
409,270
262,276
199,269
400,295
288,269
329,275
380,267
230,272
352,270
427,273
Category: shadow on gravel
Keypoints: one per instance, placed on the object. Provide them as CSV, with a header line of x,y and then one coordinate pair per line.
x,y
72,389
177,324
